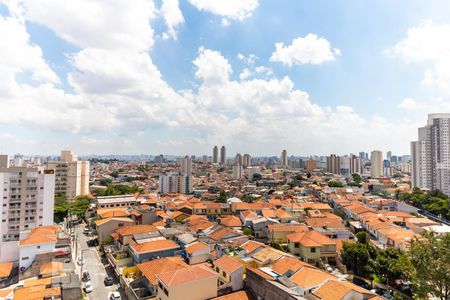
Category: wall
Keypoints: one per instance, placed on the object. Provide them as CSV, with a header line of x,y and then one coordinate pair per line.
x,y
31,251
197,290
9,251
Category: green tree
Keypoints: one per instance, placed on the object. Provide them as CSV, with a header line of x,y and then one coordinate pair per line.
x,y
256,177
223,196
336,184
356,178
248,231
108,241
114,174
430,259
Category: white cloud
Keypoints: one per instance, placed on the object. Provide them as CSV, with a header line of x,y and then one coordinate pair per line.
x,y
409,104
117,89
173,17
310,49
228,9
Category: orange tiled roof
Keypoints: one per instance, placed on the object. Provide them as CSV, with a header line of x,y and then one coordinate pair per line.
x,y
135,229
239,295
197,246
337,290
153,246
227,263
150,268
53,268
5,269
251,246
103,221
231,221
112,212
310,238
182,276
40,235
307,278
218,234
284,264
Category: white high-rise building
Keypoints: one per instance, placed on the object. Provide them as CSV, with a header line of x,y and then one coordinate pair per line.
x,y
72,175
334,164
26,201
185,166
238,159
215,157
355,164
284,158
430,154
252,171
376,161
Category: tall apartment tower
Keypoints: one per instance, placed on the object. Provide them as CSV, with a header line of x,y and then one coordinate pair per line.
x,y
185,166
237,171
26,201
376,161
215,157
430,154
334,164
72,175
223,155
284,158
238,159
355,164
246,160
175,183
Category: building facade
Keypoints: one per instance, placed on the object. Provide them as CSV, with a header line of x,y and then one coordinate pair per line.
x,y
376,161
27,200
71,175
430,154
334,164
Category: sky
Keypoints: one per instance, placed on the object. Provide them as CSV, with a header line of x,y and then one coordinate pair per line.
x,y
258,76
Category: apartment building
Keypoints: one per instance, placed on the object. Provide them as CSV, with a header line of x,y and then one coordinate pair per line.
x,y
376,161
334,164
175,183
72,175
431,154
27,199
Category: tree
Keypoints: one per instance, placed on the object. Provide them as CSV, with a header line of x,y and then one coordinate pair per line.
x,y
114,174
430,259
105,181
256,177
248,231
108,241
356,178
223,195
335,184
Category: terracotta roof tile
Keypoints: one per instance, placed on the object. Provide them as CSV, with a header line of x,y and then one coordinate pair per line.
x,y
40,235
153,246
227,263
150,268
182,276
197,246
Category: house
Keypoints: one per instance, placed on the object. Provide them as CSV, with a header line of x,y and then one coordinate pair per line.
x,y
105,227
331,227
145,251
197,252
231,221
50,269
259,226
230,273
213,209
308,279
342,290
312,247
247,216
200,209
277,233
193,283
149,269
39,240
123,235
287,266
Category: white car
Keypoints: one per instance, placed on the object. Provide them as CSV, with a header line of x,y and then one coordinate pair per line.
x,y
80,261
114,296
88,287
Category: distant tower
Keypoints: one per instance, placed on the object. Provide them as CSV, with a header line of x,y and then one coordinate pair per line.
x,y
215,158
185,166
223,155
376,161
334,164
246,160
284,158
238,159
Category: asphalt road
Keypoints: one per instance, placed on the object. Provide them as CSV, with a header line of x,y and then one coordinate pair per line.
x,y
93,264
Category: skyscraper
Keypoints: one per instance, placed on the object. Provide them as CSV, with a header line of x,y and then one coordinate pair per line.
x,y
430,154
26,201
238,159
334,164
355,164
376,161
223,155
237,171
215,157
284,158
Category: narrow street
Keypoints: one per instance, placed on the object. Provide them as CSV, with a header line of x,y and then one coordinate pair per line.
x,y
93,264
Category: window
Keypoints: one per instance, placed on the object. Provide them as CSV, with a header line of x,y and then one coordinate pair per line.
x,y
39,247
25,258
223,274
120,225
313,250
297,245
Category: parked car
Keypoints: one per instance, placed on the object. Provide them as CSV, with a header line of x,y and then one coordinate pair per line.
x,y
80,261
86,230
114,296
86,277
88,287
108,281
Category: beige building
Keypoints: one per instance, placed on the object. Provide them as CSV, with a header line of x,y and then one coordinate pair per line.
x,y
194,283
72,175
376,161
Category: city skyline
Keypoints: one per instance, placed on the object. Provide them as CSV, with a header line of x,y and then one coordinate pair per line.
x,y
187,74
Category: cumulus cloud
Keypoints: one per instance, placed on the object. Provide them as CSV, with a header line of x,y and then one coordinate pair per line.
x,y
409,104
173,17
117,88
228,9
310,49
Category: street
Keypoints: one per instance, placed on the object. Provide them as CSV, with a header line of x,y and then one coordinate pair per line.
x,y
94,265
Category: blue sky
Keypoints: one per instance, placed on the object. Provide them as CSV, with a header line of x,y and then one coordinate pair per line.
x,y
174,76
